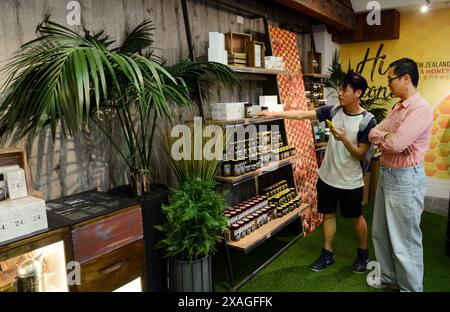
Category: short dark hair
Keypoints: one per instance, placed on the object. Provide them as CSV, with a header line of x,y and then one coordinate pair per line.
x,y
356,81
407,66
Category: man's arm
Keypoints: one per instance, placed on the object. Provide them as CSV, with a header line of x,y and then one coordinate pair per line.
x,y
357,151
411,128
378,133
295,114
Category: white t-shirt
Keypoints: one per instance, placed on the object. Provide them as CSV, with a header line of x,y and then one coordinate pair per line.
x,y
339,169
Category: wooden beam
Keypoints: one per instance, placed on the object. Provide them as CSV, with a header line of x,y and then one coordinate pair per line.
x,y
389,29
346,3
330,12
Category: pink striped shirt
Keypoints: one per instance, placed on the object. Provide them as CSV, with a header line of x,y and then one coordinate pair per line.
x,y
408,125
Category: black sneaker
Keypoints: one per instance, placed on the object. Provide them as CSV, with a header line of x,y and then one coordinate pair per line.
x,y
325,260
361,262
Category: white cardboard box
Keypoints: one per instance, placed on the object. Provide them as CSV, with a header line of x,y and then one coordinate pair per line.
x,y
266,100
21,216
216,40
275,108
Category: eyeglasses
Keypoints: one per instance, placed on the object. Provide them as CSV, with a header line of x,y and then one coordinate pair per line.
x,y
393,78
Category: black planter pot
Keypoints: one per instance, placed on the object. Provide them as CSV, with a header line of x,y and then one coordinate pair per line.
x,y
156,266
190,276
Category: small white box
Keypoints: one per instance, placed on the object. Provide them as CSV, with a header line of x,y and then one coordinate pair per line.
x,y
215,55
21,216
218,56
275,108
227,111
217,40
224,57
268,100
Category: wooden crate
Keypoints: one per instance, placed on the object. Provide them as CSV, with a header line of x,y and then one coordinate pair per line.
x,y
237,45
18,156
256,54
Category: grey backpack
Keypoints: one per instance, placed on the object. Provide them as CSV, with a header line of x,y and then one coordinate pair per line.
x,y
367,117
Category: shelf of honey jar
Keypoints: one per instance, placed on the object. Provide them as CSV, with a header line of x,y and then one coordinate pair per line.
x,y
256,212
235,170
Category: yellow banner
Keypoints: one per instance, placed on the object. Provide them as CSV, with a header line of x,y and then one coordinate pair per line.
x,y
424,38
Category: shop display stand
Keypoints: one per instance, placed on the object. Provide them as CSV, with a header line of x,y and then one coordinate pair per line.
x,y
240,188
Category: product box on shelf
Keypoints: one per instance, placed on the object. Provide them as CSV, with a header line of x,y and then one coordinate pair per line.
x,y
273,108
13,158
227,111
21,216
265,100
274,62
216,50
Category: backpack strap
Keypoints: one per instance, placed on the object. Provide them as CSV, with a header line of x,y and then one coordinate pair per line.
x,y
335,109
367,117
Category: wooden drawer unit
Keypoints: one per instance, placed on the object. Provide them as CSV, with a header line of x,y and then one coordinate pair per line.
x,y
115,269
94,239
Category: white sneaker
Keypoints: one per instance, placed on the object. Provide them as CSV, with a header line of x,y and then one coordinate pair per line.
x,y
384,285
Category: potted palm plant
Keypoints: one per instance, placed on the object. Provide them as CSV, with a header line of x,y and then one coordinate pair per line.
x,y
63,78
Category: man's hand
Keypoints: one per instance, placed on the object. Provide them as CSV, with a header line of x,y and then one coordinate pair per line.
x,y
408,151
338,133
383,127
263,114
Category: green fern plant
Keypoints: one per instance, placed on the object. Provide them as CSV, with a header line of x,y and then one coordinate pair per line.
x,y
195,220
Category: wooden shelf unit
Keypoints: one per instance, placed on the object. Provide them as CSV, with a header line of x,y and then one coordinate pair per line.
x,y
266,231
244,177
256,70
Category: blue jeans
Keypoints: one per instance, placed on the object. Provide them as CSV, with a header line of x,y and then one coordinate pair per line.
x,y
396,232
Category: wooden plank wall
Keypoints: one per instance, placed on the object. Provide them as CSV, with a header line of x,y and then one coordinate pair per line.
x,y
65,166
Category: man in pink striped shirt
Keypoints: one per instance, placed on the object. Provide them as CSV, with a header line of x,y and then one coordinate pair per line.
x,y
403,138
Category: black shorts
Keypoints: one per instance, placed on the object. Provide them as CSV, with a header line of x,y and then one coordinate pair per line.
x,y
349,200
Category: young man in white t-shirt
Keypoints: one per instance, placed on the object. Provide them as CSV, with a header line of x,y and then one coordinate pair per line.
x,y
340,175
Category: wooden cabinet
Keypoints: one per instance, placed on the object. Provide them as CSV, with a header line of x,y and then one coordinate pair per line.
x,y
114,269
95,238
111,250
106,239
106,250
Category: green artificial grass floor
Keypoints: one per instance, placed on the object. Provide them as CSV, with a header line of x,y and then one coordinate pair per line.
x,y
290,271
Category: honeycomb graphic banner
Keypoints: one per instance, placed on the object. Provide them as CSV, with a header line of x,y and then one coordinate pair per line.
x,y
292,93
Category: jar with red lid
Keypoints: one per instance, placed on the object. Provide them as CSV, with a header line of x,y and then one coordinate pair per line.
x,y
233,217
265,215
228,216
256,217
247,226
238,213
235,235
252,222
242,231
273,210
